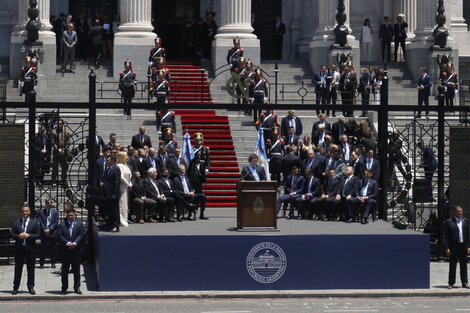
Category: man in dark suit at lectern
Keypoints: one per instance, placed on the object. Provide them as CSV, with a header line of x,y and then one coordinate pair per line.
x,y
457,246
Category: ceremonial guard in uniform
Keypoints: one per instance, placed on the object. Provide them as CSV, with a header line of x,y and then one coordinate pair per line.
x,y
160,91
275,152
161,66
156,52
28,79
168,142
450,82
246,75
258,90
127,86
197,170
204,158
267,121
166,119
234,55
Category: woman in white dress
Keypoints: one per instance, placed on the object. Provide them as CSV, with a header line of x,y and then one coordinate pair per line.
x,y
366,41
126,185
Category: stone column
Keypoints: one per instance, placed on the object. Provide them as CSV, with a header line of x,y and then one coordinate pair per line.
x,y
294,27
49,46
425,20
44,7
458,27
408,7
310,16
235,22
23,18
135,37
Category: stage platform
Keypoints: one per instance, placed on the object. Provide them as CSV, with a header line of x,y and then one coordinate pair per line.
x,y
213,255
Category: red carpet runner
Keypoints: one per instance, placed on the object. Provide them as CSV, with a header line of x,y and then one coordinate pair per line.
x,y
220,188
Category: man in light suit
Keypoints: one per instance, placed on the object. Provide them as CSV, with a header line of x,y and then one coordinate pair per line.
x,y
457,246
25,231
48,221
71,234
367,195
424,90
70,40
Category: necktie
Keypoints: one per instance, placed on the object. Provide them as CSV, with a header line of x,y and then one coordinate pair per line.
x,y
364,189
141,139
344,187
309,163
24,230
163,160
329,181
70,229
369,164
185,184
309,189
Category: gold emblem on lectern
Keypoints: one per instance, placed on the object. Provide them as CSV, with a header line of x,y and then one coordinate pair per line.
x,y
258,206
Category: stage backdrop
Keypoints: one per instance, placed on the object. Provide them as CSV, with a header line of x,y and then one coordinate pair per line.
x,y
11,172
459,179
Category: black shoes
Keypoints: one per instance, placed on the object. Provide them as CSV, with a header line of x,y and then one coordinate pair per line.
x,y
31,291
41,266
15,291
52,265
63,292
78,291
349,220
202,217
365,220
115,230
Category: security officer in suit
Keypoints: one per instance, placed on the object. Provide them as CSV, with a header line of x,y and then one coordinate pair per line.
x,y
367,195
48,222
424,90
279,30
25,231
457,246
253,171
127,86
42,158
111,193
322,87
274,152
347,189
141,139
386,36
399,30
197,171
61,140
347,88
71,234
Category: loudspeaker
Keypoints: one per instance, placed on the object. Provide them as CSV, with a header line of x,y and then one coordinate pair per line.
x,y
422,191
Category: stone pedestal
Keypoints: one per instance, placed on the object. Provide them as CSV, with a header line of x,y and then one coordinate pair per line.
x,y
135,38
47,57
235,16
433,65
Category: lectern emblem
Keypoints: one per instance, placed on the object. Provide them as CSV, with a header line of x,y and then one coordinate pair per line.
x,y
266,262
258,206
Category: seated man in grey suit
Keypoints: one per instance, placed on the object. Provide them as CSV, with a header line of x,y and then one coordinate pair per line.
x,y
70,40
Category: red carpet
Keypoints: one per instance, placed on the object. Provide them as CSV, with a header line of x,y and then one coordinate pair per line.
x,y
220,187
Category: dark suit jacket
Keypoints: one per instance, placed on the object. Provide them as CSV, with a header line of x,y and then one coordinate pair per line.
x,y
150,189
99,145
316,137
330,188
78,232
32,230
247,175
197,176
137,144
317,78
315,187
112,182
173,166
162,185
375,169
452,233
386,32
281,30
317,165
351,188
428,159
295,140
299,184
138,189
335,131
288,161
54,222
178,185
426,81
285,126
372,189
315,127
348,88
39,145
100,169
397,29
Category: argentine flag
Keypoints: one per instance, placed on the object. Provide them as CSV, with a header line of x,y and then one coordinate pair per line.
x,y
187,151
260,151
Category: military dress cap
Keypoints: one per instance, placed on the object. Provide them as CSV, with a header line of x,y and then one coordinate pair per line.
x,y
158,40
168,130
275,130
29,60
161,60
198,136
127,63
236,40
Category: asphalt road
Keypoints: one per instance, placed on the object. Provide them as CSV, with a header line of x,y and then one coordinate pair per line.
x,y
428,305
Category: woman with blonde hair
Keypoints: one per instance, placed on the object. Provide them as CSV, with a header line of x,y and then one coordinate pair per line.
x,y
304,146
126,186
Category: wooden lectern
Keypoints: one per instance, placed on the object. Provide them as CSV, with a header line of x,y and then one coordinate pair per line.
x,y
256,204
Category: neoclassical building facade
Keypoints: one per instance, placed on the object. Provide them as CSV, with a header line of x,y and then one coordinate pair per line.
x,y
309,23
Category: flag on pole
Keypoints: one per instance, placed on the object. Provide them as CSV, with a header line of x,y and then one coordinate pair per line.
x,y
187,151
260,151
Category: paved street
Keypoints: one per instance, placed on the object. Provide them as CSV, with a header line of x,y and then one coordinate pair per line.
x,y
429,305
